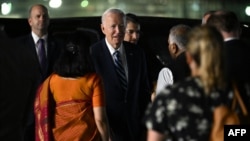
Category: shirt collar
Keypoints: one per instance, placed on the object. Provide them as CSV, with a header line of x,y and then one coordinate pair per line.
x,y
230,38
112,50
36,38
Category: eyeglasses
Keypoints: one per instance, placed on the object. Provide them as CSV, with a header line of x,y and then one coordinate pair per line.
x,y
133,31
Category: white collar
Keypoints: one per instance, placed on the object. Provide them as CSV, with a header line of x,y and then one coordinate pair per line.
x,y
230,38
36,38
112,50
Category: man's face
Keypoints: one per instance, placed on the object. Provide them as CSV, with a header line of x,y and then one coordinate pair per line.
x,y
113,28
132,33
39,19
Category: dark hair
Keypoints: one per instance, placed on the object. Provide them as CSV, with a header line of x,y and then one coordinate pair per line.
x,y
74,60
132,18
209,12
224,21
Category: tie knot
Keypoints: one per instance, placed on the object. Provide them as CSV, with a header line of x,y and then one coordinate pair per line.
x,y
40,41
117,54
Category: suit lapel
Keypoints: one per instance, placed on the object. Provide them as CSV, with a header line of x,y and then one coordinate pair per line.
x,y
32,48
130,60
108,61
50,49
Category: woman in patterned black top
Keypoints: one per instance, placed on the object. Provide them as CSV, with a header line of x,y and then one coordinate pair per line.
x,y
183,112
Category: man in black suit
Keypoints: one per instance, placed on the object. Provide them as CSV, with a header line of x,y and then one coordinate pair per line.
x,y
236,51
125,106
16,83
39,21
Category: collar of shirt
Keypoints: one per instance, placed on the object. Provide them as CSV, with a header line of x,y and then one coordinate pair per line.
x,y
112,50
230,38
123,55
36,38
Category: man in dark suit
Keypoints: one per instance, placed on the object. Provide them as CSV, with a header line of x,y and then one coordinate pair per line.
x,y
39,21
125,106
236,51
16,83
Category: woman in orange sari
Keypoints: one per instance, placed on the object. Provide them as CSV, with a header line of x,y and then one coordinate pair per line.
x,y
70,104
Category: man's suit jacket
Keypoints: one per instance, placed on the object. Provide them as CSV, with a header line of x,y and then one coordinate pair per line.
x,y
53,51
16,83
237,62
123,110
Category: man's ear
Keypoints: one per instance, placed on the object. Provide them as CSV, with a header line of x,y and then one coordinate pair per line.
x,y
188,57
29,21
102,28
173,48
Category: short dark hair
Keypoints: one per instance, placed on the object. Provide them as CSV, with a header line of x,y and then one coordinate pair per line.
x,y
130,17
224,21
209,12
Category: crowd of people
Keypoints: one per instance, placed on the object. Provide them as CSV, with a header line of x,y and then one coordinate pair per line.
x,y
104,92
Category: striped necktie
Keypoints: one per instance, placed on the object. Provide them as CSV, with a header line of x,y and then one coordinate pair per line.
x,y
120,71
42,54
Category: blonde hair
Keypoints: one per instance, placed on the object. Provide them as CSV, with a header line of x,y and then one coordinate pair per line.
x,y
205,46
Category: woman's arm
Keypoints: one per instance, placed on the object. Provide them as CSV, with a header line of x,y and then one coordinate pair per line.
x,y
101,122
155,136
